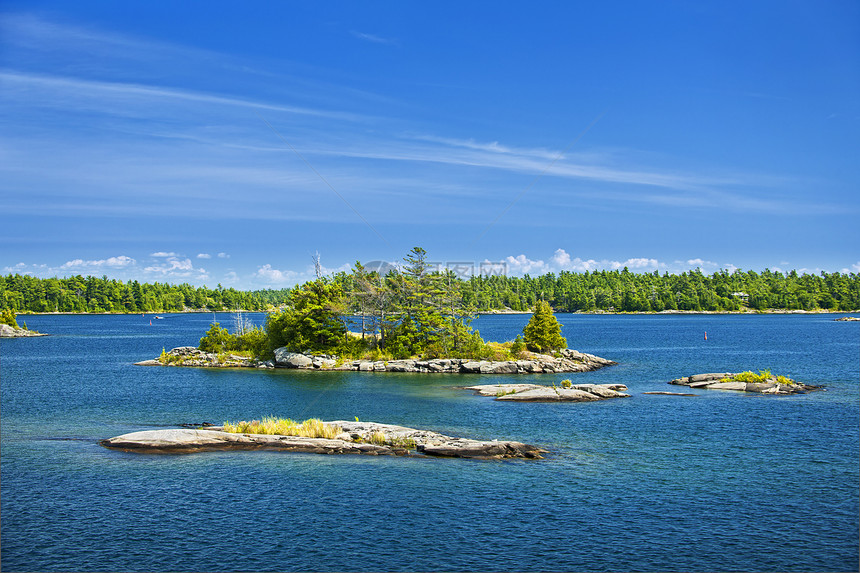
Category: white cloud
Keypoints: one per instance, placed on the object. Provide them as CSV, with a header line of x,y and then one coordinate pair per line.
x,y
274,276
223,256
701,263
563,261
641,263
177,267
25,269
119,262
855,268
521,264
204,256
163,254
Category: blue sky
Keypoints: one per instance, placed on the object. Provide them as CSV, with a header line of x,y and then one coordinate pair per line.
x,y
215,142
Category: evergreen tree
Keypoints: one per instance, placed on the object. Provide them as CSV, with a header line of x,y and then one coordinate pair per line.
x,y
543,332
314,320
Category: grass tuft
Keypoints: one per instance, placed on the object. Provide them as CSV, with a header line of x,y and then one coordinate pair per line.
x,y
312,428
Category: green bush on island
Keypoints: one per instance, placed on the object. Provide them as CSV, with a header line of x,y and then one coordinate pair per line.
x,y
763,376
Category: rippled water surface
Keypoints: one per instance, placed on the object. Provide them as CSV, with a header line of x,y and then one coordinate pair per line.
x,y
720,482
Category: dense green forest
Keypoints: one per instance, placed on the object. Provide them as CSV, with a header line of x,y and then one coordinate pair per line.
x,y
619,291
624,291
23,293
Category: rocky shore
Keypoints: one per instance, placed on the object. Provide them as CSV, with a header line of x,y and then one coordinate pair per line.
x,y
567,361
540,393
368,438
7,331
714,381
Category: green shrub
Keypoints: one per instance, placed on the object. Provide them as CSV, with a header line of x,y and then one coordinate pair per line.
x,y
517,347
7,316
566,383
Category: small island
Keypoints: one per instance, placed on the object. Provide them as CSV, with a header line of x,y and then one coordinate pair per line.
x,y
411,320
764,383
565,360
317,437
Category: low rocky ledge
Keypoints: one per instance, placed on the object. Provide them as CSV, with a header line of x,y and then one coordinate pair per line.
x,y
7,331
568,360
540,393
847,319
714,381
356,438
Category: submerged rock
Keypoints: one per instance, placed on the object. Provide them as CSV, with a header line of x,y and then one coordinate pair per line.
x,y
367,438
541,393
725,381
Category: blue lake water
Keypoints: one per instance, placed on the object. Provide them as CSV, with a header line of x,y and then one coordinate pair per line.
x,y
720,482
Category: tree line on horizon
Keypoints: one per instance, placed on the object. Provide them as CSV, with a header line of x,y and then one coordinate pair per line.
x,y
618,291
78,294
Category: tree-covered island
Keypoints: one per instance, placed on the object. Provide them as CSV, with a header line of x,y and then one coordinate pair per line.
x,y
413,314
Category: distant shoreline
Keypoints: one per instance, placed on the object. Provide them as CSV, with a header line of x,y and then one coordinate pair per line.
x,y
481,313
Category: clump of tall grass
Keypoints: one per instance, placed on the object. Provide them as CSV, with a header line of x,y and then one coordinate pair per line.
x,y
313,428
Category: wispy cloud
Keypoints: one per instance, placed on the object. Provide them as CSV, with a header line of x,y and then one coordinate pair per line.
x,y
95,91
373,38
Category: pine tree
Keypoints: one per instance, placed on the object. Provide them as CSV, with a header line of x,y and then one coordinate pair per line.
x,y
543,332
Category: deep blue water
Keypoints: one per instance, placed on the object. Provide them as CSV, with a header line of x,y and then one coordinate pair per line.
x,y
718,482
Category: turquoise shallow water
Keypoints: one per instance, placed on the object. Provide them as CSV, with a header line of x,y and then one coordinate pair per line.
x,y
719,482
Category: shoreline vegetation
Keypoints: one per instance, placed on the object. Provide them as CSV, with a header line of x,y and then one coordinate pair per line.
x,y
491,312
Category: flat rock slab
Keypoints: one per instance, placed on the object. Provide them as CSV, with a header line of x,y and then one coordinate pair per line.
x,y
356,438
670,393
714,381
540,393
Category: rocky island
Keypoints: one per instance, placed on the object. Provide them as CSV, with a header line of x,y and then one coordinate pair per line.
x,y
540,393
567,360
763,382
7,331
368,438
